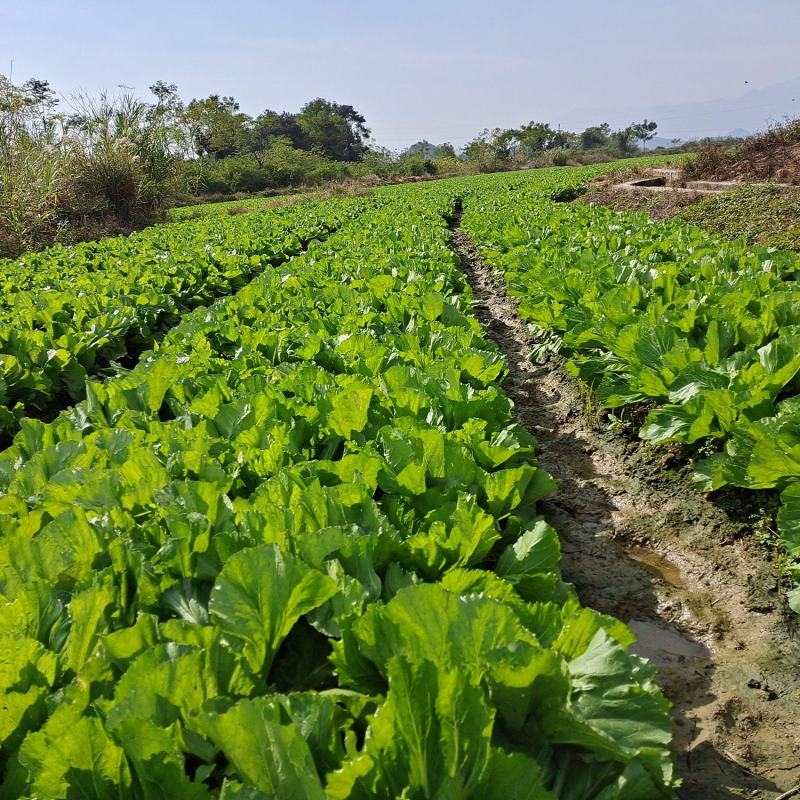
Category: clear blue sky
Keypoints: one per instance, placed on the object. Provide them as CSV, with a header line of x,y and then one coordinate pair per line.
x,y
438,70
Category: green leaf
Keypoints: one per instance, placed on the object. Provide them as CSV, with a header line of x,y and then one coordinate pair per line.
x,y
789,518
350,409
460,535
507,488
87,611
259,596
514,776
428,622
615,710
269,754
72,756
431,736
27,671
163,685
156,757
536,550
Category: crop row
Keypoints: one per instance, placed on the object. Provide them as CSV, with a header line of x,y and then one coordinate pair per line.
x,y
706,333
295,553
69,313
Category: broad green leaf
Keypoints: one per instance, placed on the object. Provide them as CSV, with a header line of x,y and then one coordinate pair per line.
x,y
163,685
428,622
27,671
266,752
259,596
506,489
431,737
87,611
156,758
350,408
73,756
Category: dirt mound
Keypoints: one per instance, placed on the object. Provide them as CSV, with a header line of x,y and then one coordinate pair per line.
x,y
661,206
773,156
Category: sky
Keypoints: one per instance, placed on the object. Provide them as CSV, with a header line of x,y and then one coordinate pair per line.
x,y
441,71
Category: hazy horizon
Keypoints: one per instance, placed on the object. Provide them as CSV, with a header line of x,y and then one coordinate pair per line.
x,y
439,73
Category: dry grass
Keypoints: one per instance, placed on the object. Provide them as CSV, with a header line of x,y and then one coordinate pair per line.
x,y
770,156
109,168
658,205
764,215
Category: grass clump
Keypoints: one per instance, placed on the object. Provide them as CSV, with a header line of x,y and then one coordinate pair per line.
x,y
766,215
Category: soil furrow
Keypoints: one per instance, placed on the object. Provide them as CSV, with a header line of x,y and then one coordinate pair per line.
x,y
640,543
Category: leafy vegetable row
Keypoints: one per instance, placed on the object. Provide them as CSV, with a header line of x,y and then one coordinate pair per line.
x,y
295,554
72,312
707,332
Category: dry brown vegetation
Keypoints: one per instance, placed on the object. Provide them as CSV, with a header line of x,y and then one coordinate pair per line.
x,y
770,156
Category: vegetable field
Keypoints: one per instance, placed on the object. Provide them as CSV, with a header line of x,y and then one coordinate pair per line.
x,y
705,333
269,529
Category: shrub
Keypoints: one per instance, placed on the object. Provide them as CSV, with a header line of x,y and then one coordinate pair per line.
x,y
279,166
418,164
113,166
32,178
123,158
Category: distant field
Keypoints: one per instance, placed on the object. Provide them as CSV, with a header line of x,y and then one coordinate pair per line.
x,y
272,521
233,207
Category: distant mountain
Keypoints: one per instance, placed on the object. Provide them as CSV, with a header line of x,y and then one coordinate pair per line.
x,y
753,110
737,116
425,147
663,141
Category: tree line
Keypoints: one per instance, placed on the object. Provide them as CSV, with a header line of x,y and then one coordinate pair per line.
x,y
112,163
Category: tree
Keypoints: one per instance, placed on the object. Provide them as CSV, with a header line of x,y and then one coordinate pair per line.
x,y
217,127
595,136
444,150
336,130
562,139
533,138
42,98
166,94
644,131
270,126
624,139
503,143
485,151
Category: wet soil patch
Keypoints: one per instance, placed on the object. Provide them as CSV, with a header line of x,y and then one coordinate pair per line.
x,y
640,543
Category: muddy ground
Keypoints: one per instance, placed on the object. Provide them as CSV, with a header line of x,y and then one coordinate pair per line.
x,y
640,543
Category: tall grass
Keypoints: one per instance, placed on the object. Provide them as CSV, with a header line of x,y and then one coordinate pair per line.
x,y
125,158
32,178
114,164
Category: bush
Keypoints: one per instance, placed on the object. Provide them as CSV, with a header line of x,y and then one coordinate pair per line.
x,y
280,166
417,164
112,167
451,165
378,162
773,155
122,159
32,178
285,165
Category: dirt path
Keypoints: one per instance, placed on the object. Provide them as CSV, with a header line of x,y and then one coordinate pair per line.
x,y
642,545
